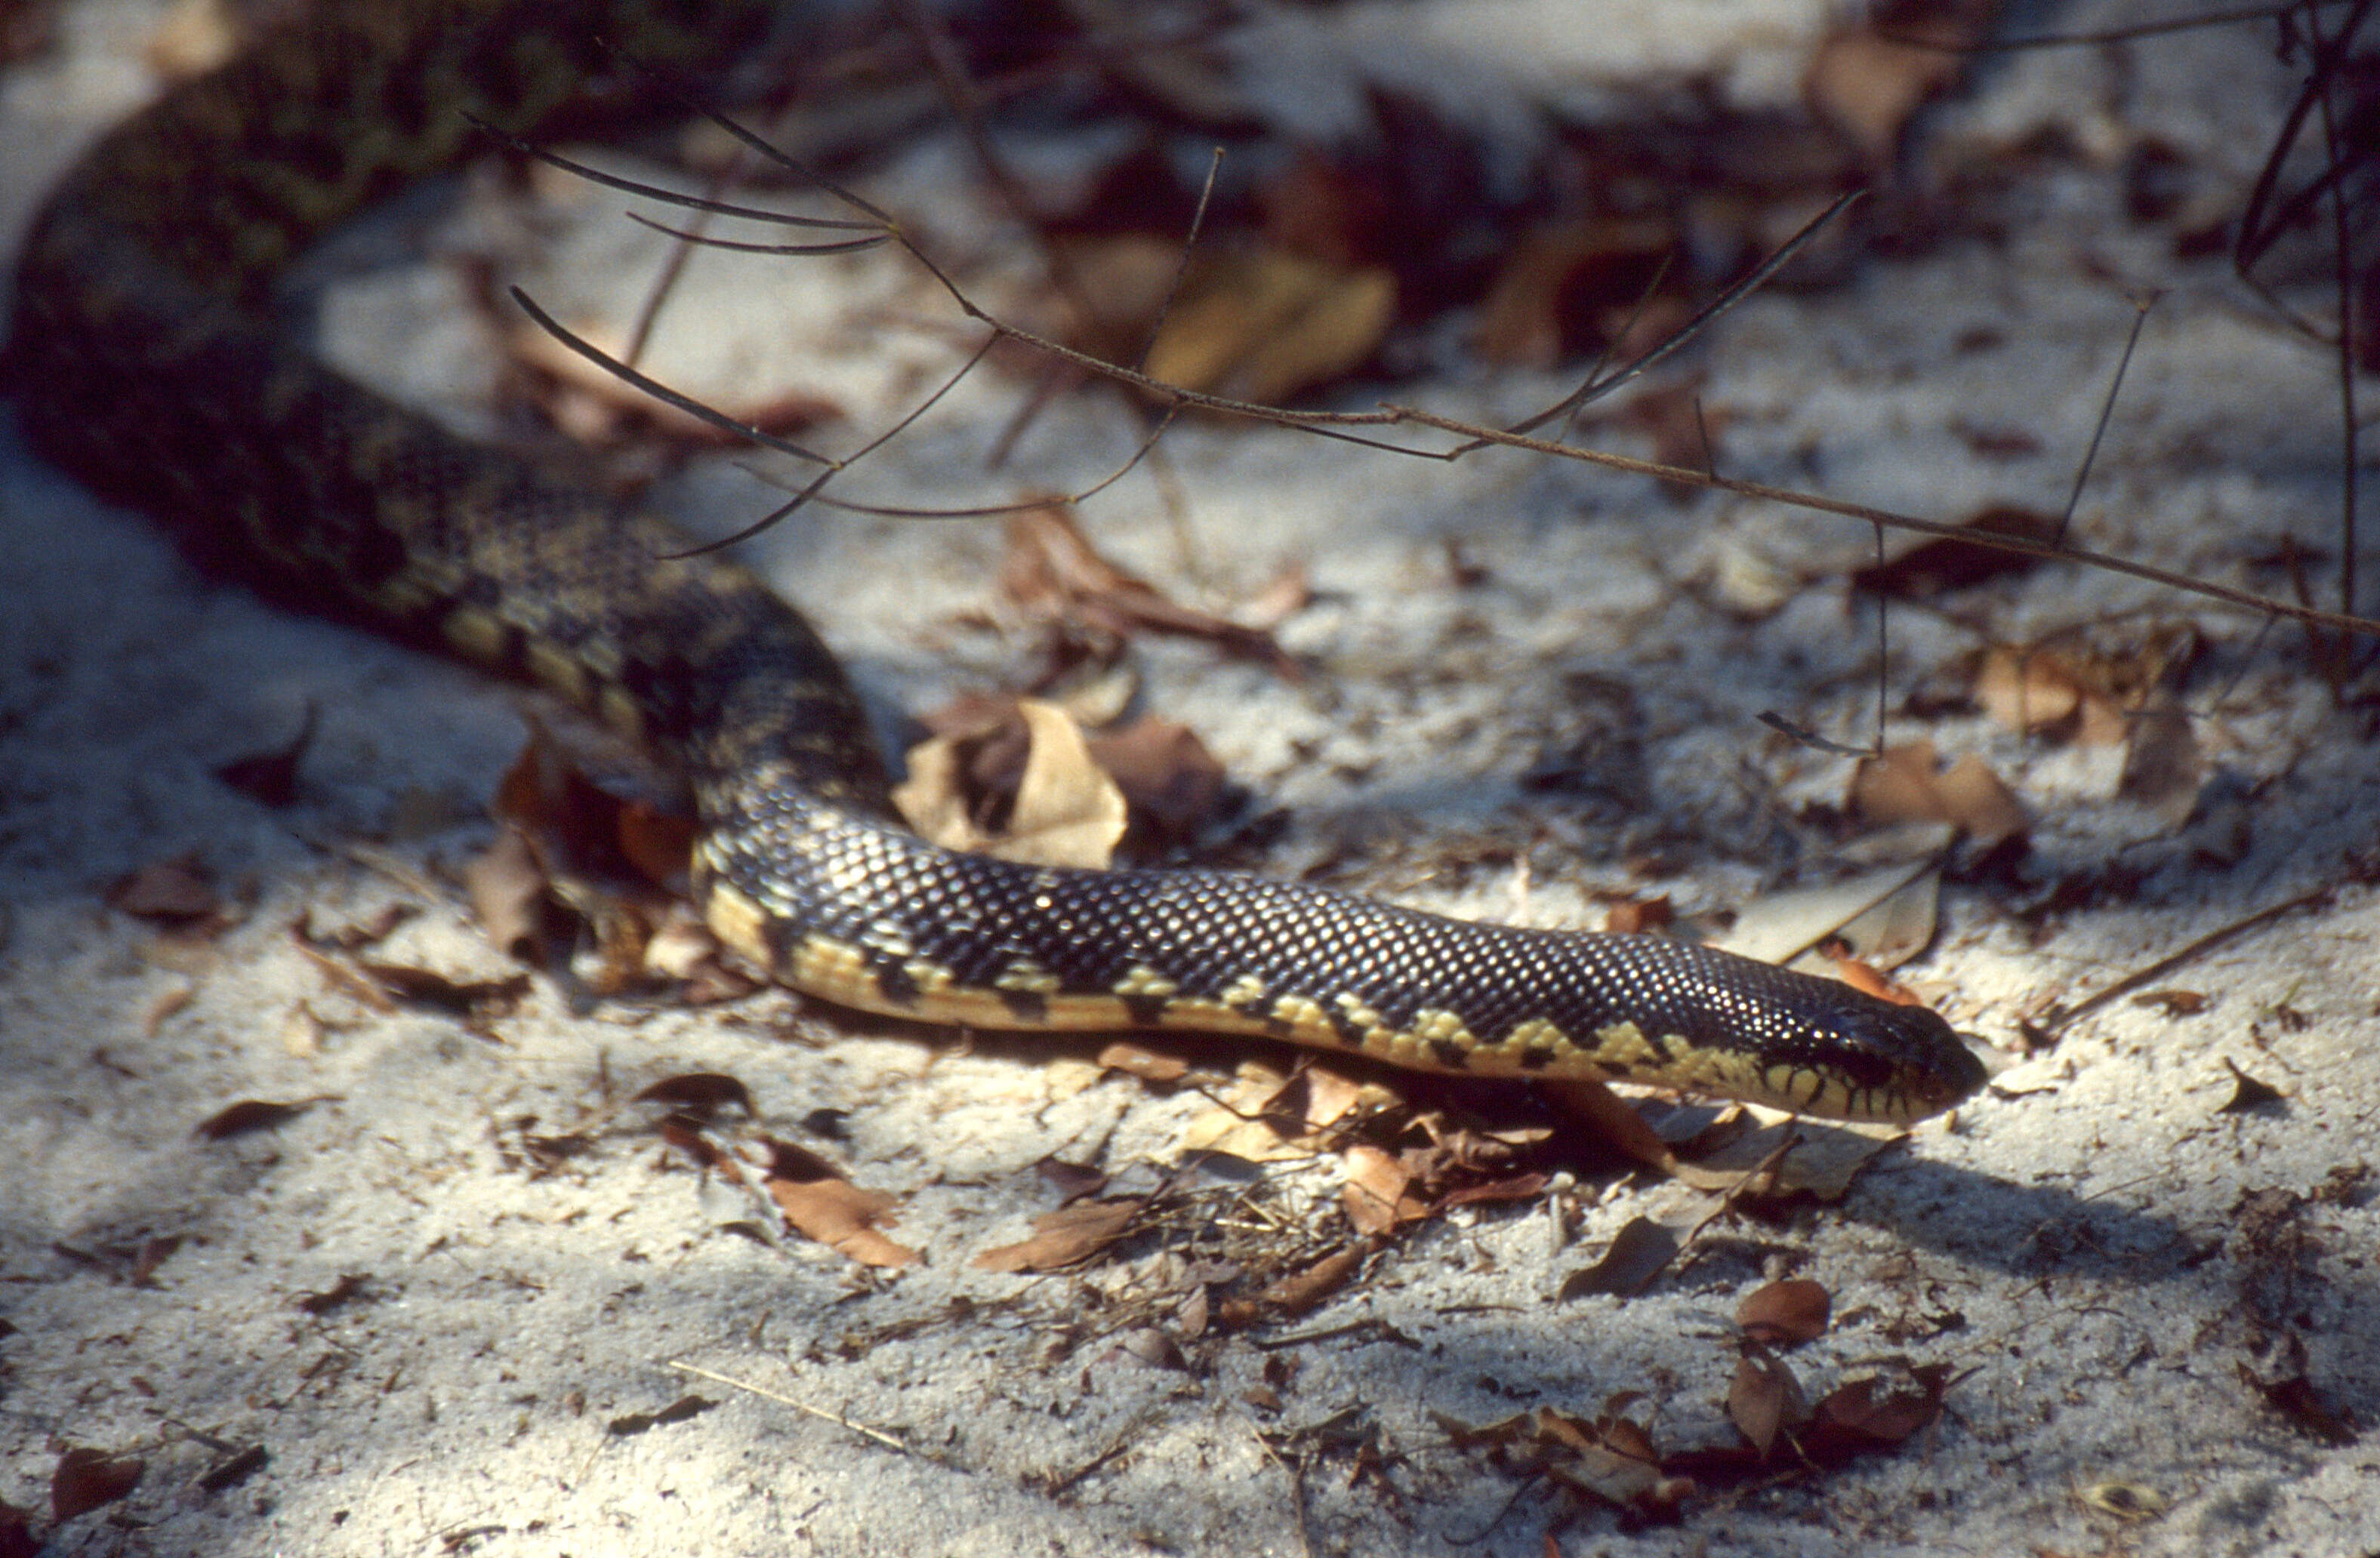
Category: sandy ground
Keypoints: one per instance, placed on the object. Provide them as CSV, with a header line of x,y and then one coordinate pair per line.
x,y
2108,1263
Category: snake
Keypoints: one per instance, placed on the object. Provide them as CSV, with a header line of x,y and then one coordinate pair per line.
x,y
152,359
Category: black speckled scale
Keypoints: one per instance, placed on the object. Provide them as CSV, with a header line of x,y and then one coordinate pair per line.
x,y
146,359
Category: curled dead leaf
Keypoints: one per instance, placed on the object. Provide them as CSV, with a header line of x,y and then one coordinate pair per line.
x,y
1065,811
1787,1313
1378,1194
822,1205
1051,571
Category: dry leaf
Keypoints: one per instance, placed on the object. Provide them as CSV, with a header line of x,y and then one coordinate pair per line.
x,y
2165,767
507,888
1787,1313
193,37
1052,572
677,1411
1903,785
86,1478
248,1115
1148,1065
1613,1458
2296,1399
1072,1180
1067,1237
1297,1293
1265,324
1867,80
337,1296
700,1093
1937,567
1802,1157
1066,812
1378,1194
1171,782
1637,1254
842,1216
1611,1119
1764,1398
1636,916
478,1002
1567,287
1880,1410
2247,1092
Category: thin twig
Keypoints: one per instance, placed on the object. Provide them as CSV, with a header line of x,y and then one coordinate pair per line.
x,y
2140,308
2059,1020
876,1435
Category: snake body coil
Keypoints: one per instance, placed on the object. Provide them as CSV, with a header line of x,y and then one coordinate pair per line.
x,y
149,362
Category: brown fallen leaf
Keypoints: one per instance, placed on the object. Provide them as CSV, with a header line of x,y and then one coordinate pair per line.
x,y
247,1115
2247,1092
1868,79
1052,571
1613,1457
1072,1180
1906,784
822,1205
1068,1237
1138,1060
1265,324
1172,783
2165,767
2084,687
478,1002
1297,1293
1795,1158
1065,811
615,855
1938,567
1764,1398
178,891
1636,1255
700,1093
1878,1410
2295,1398
1378,1194
507,889
337,1296
86,1478
1612,1121
677,1411
1787,1313
1566,288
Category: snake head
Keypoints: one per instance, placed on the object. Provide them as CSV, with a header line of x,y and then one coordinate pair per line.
x,y
1894,1062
